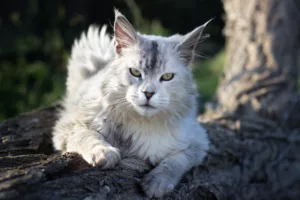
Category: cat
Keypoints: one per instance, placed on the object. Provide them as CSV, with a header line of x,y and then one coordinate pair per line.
x,y
133,95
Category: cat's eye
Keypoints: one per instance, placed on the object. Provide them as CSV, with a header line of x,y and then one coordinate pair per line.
x,y
167,77
135,72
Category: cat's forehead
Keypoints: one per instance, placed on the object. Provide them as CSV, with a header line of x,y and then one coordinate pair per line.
x,y
151,57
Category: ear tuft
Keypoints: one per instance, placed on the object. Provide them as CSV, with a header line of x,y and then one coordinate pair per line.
x,y
189,42
125,35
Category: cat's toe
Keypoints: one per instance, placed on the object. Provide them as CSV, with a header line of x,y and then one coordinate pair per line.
x,y
103,156
157,186
112,157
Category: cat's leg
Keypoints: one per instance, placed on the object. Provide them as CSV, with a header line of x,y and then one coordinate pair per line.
x,y
164,177
74,136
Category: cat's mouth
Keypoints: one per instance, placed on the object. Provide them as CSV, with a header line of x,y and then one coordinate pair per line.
x,y
147,105
146,109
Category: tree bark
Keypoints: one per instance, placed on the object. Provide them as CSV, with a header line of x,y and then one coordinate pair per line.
x,y
260,79
233,169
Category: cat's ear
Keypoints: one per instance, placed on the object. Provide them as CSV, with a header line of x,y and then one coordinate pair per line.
x,y
188,45
124,33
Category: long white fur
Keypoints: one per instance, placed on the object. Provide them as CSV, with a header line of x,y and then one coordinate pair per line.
x,y
102,94
93,46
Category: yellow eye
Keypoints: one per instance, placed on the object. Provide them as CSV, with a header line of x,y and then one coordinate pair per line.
x,y
167,77
135,72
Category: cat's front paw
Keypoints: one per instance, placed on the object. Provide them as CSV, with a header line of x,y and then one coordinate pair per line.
x,y
156,184
105,156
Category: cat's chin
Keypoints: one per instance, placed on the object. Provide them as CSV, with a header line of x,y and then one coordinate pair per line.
x,y
147,111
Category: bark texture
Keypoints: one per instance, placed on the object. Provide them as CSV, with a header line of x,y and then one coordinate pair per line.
x,y
240,165
260,79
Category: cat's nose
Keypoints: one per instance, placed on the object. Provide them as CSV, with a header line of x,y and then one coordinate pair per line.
x,y
148,95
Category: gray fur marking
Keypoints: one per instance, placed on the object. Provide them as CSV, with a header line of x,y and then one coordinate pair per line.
x,y
150,57
153,55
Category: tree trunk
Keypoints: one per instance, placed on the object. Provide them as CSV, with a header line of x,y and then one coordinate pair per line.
x,y
260,80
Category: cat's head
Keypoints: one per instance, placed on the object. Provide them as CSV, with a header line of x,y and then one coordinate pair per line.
x,y
155,69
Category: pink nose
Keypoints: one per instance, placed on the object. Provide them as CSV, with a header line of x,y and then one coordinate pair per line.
x,y
148,95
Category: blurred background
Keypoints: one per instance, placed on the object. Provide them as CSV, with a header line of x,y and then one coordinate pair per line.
x,y
36,37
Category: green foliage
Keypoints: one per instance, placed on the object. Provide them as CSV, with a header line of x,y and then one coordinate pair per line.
x,y
207,73
26,86
33,55
143,25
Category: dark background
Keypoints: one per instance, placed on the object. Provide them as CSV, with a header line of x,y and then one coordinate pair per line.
x,y
36,37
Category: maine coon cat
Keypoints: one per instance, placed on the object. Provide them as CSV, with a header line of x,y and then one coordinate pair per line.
x,y
133,95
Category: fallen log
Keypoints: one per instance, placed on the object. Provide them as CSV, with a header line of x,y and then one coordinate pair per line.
x,y
260,165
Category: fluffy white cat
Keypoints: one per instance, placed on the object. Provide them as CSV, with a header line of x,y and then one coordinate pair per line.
x,y
133,95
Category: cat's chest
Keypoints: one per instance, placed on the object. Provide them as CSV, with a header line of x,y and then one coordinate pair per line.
x,y
147,141
152,143
152,140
